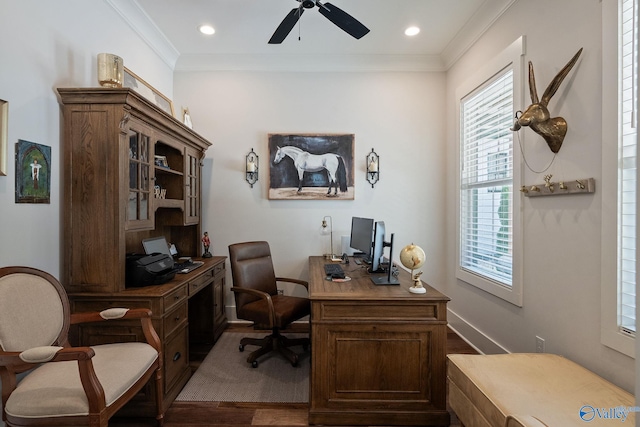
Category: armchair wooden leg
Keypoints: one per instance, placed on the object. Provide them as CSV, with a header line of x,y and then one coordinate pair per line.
x,y
159,398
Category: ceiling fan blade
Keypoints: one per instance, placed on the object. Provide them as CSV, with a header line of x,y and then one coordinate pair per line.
x,y
286,25
343,20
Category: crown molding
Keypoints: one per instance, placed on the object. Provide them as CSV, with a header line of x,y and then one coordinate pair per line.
x,y
143,25
475,27
310,63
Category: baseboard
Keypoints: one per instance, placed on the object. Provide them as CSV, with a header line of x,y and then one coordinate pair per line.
x,y
477,339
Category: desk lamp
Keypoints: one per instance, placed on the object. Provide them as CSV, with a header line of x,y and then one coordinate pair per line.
x,y
330,255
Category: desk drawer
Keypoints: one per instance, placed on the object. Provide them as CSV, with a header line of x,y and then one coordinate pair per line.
x,y
373,311
174,319
219,268
176,357
196,284
175,297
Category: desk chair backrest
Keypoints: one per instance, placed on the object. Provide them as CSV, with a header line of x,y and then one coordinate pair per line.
x,y
34,310
252,267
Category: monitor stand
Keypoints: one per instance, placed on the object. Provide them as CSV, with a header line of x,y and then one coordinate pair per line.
x,y
386,279
389,278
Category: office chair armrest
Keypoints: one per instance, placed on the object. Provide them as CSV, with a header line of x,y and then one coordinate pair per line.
x,y
296,281
257,293
263,295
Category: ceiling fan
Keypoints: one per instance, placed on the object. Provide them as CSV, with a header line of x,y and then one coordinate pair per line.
x,y
333,13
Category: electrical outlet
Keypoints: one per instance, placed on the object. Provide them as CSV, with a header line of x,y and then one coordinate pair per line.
x,y
280,291
539,345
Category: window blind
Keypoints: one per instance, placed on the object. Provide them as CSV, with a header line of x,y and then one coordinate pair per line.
x,y
627,174
486,182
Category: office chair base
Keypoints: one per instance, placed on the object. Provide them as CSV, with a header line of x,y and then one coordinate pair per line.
x,y
272,342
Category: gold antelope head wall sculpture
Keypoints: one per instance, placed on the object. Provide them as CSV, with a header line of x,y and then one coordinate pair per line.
x,y
537,116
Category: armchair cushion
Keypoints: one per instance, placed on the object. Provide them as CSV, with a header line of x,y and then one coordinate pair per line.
x,y
54,389
36,308
113,313
40,354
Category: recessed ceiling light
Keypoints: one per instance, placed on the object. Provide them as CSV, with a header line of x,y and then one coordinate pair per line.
x,y
412,31
206,29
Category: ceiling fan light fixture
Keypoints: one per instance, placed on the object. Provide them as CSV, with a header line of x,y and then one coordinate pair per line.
x,y
206,29
412,31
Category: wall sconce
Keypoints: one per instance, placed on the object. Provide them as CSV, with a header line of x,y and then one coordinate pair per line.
x,y
251,172
373,167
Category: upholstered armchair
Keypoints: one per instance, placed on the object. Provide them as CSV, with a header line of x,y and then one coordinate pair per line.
x,y
257,300
66,385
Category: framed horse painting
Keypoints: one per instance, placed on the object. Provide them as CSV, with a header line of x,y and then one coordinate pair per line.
x,y
311,166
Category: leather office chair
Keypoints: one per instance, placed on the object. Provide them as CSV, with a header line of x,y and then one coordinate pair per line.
x,y
66,385
257,300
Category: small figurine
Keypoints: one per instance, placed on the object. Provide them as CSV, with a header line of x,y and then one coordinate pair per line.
x,y
206,243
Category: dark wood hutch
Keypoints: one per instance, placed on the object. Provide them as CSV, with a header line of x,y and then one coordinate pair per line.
x,y
115,195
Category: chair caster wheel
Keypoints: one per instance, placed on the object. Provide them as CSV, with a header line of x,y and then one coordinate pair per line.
x,y
254,364
241,348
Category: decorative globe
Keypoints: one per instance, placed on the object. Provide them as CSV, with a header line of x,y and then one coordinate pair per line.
x,y
412,257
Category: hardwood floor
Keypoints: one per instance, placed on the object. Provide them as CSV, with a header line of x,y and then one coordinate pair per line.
x,y
229,414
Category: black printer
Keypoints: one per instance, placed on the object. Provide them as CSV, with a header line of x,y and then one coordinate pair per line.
x,y
145,270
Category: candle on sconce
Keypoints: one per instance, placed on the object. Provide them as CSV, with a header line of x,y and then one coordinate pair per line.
x,y
373,166
251,168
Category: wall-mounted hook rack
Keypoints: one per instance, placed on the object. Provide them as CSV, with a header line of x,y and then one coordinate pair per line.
x,y
549,188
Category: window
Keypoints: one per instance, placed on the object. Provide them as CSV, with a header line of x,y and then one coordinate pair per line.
x,y
619,158
486,190
627,148
488,212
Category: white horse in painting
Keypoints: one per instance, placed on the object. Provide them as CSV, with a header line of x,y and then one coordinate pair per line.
x,y
307,162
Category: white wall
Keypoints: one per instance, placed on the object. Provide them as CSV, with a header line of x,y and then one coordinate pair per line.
x,y
45,45
398,114
409,118
561,234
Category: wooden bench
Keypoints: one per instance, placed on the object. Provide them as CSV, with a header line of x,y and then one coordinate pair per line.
x,y
533,390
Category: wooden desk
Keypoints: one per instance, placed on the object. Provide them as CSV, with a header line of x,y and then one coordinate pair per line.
x,y
378,352
187,313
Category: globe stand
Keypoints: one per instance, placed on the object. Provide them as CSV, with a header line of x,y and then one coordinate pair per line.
x,y
417,287
412,257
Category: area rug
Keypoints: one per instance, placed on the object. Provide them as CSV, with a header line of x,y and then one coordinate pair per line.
x,y
225,376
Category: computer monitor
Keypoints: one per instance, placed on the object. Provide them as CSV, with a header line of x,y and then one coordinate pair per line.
x,y
362,237
377,257
155,245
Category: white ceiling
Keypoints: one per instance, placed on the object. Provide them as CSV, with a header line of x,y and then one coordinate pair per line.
x,y
243,28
